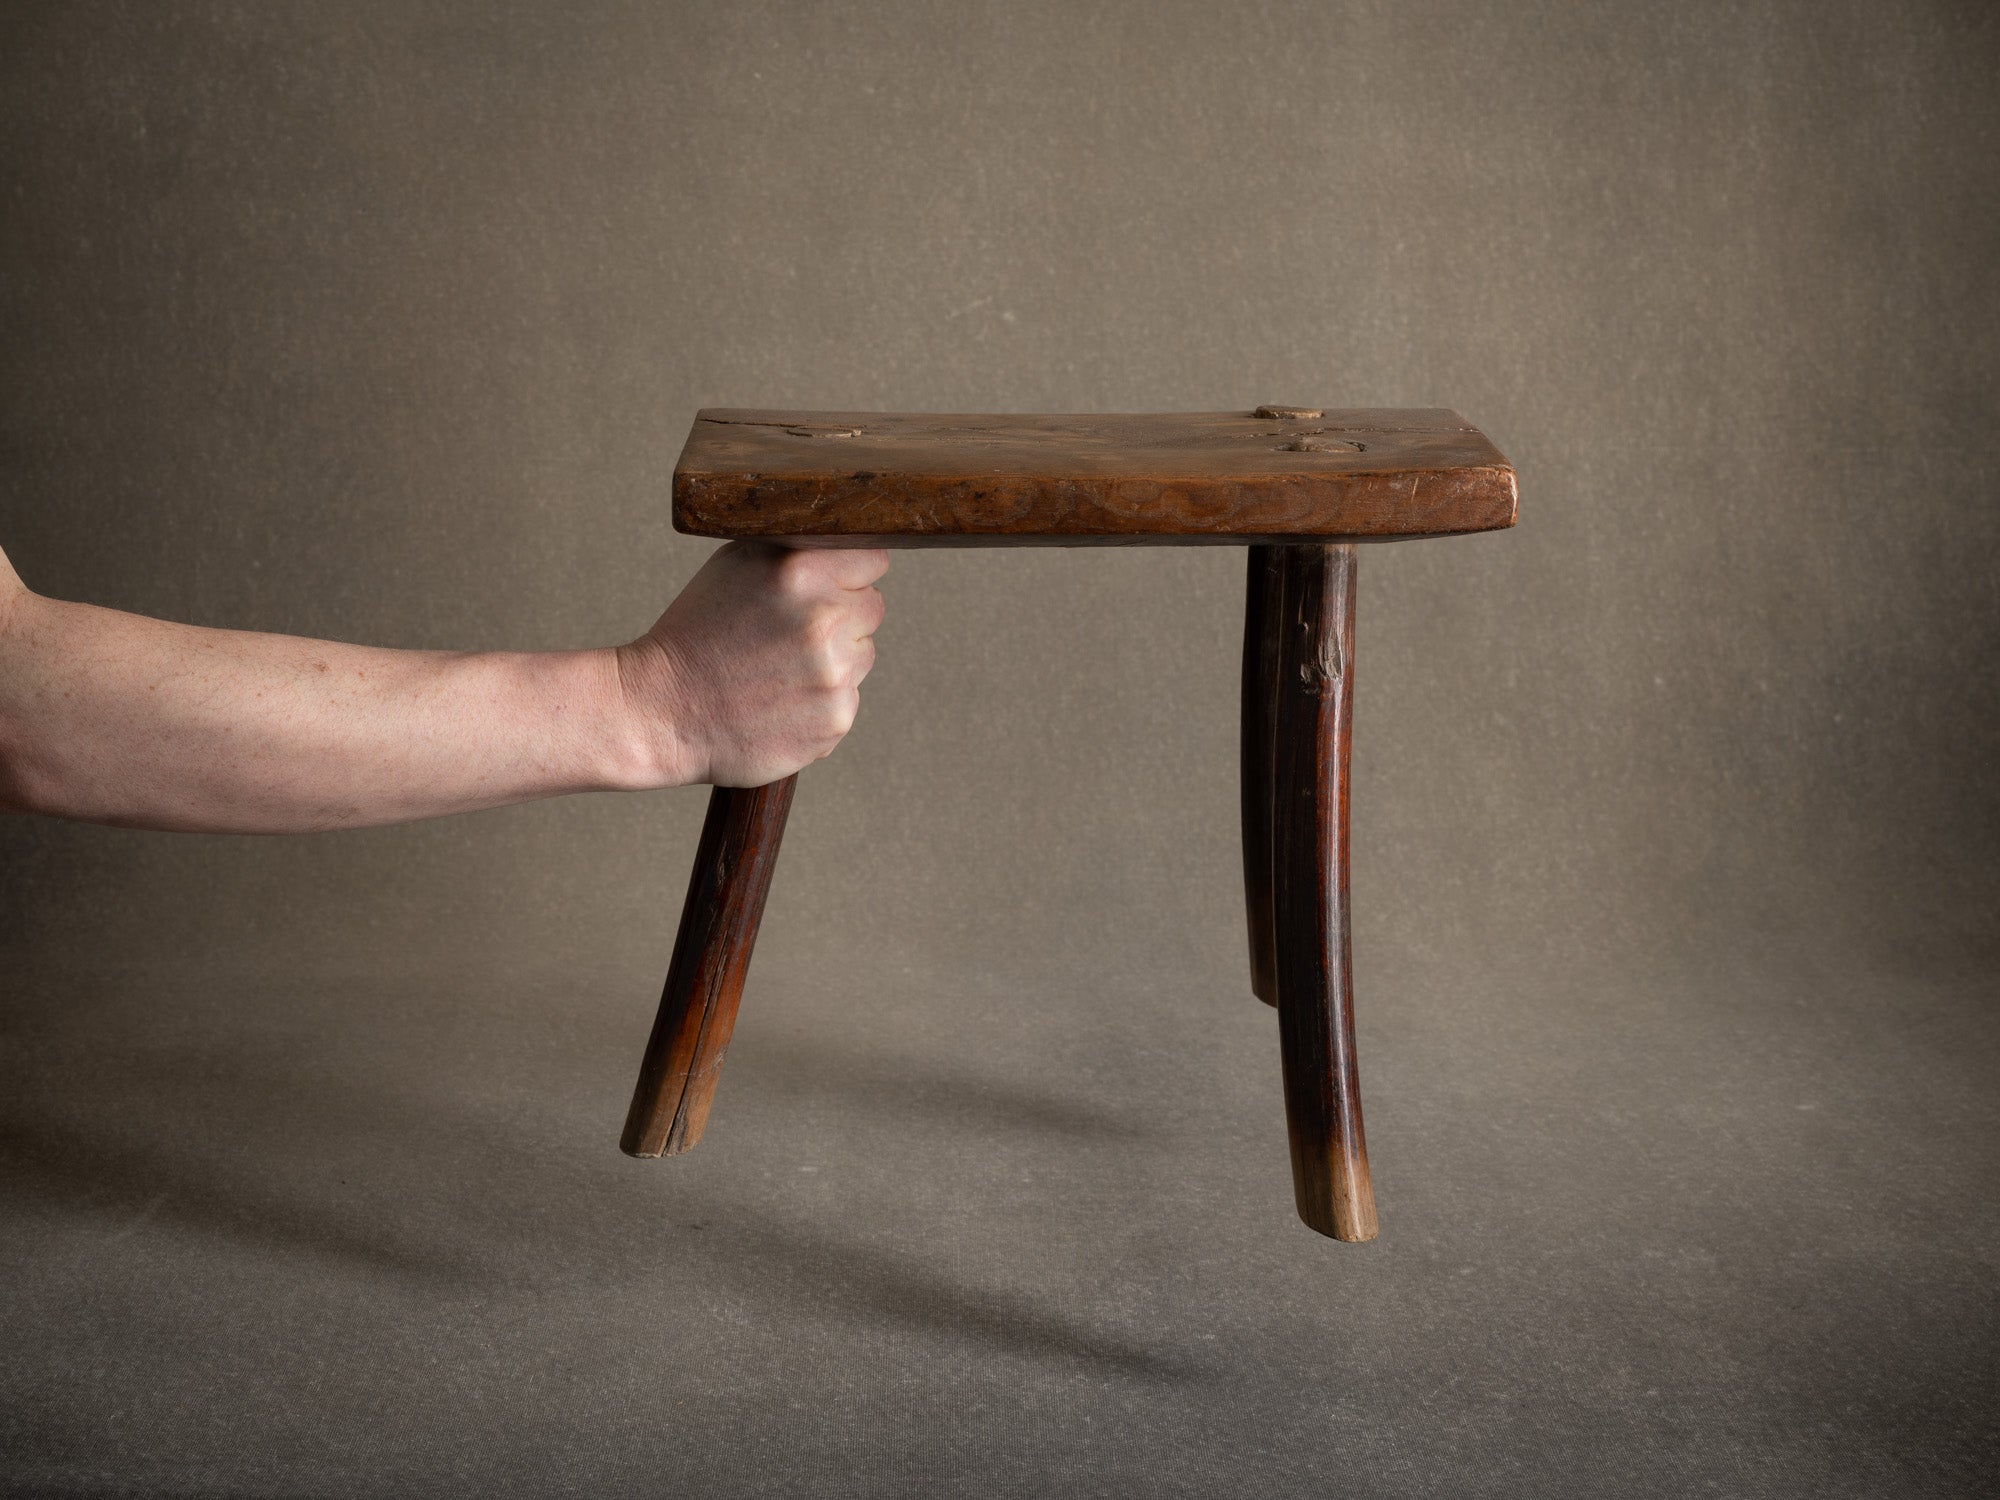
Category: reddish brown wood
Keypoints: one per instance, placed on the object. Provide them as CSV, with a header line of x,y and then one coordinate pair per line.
x,y
898,479
1262,599
1297,485
725,902
1315,976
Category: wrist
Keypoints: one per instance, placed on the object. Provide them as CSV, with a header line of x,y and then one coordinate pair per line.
x,y
591,739
649,747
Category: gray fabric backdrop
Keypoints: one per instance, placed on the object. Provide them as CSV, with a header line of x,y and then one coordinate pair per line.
x,y
1674,814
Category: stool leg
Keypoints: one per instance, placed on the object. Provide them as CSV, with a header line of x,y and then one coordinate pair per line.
x,y
1315,699
725,902
1260,711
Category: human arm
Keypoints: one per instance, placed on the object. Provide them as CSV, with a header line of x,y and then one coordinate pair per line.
x,y
117,718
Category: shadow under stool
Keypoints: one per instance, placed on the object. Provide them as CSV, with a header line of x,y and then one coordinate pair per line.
x,y
1298,486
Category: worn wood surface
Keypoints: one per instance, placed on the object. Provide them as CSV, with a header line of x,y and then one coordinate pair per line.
x,y
1315,977
725,902
1262,600
1272,474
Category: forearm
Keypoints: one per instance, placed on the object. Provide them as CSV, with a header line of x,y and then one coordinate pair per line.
x,y
117,718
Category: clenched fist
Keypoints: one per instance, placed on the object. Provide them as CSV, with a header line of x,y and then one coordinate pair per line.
x,y
755,669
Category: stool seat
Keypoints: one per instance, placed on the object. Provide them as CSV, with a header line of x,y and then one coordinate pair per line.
x,y
1272,475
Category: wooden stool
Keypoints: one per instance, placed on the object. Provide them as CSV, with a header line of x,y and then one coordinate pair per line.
x,y
1299,486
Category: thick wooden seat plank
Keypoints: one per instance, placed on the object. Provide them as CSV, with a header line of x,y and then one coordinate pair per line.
x,y
1276,475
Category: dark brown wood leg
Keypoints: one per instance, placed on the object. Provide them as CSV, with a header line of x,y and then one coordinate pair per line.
x,y
1315,978
1260,711
725,902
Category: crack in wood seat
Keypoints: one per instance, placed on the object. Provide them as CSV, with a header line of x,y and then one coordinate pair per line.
x,y
1298,486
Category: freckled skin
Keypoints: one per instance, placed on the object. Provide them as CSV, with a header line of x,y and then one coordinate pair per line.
x,y
751,673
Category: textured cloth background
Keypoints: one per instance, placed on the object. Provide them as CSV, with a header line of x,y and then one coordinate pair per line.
x,y
1675,823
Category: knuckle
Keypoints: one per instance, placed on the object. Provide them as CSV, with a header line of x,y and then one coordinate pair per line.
x,y
845,706
822,626
826,666
797,571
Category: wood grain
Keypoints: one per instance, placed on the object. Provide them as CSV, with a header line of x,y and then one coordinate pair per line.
x,y
1262,601
1315,974
898,479
725,903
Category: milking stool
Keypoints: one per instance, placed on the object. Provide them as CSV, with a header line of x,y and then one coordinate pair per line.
x,y
1298,486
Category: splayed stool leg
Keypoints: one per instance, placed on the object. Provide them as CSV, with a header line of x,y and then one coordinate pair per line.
x,y
1313,719
1258,751
725,903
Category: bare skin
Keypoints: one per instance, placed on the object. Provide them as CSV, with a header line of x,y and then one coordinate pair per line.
x,y
753,672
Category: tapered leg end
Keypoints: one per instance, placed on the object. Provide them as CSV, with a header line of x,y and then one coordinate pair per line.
x,y
1341,1212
